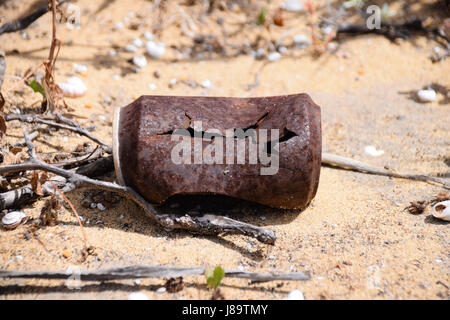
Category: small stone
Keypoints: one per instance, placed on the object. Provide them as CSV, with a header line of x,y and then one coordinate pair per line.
x,y
73,87
137,43
152,86
93,205
173,82
119,25
116,77
161,290
148,35
112,53
140,61
282,49
137,282
428,95
295,295
293,6
137,296
101,207
67,254
80,68
372,151
263,218
130,48
206,84
155,50
274,56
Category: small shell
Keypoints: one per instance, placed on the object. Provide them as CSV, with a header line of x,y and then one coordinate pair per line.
x,y
73,87
371,150
441,210
274,56
13,219
139,61
426,95
155,50
295,295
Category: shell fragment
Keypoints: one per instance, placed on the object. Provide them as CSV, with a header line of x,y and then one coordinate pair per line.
x,y
14,219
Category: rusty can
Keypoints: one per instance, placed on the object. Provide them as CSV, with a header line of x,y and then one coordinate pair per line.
x,y
266,150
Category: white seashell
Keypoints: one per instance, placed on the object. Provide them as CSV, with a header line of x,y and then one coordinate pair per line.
x,y
137,296
274,56
155,50
130,48
293,6
137,43
101,207
295,295
441,210
13,219
372,151
148,35
426,95
140,61
119,25
301,40
161,290
206,84
73,87
80,68
282,49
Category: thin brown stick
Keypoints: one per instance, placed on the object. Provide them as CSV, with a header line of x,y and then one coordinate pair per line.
x,y
60,122
136,272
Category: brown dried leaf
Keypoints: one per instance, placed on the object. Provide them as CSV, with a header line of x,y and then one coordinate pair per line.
x,y
278,18
2,126
174,284
49,212
36,184
2,102
14,156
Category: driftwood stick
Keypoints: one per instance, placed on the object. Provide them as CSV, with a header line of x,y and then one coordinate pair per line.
x,y
207,224
59,122
136,272
26,20
350,164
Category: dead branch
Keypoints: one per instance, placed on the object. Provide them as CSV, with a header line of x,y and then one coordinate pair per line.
x,y
23,22
60,122
136,272
207,224
350,164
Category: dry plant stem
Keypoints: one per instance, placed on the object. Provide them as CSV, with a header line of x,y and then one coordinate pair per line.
x,y
60,122
350,164
207,224
136,272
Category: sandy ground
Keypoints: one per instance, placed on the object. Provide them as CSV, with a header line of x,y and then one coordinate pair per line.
x,y
355,238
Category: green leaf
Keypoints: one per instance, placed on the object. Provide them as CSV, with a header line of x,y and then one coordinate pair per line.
x,y
262,16
214,277
36,87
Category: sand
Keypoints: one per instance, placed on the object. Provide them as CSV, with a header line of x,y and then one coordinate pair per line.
x,y
355,238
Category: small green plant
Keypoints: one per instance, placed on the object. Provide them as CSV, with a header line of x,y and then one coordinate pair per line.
x,y
36,87
262,16
214,277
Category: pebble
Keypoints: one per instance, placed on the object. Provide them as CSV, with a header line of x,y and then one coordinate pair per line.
x,y
93,205
101,207
137,296
140,61
13,219
119,25
301,40
372,151
130,48
428,95
263,218
152,86
80,68
441,210
116,77
137,43
293,6
274,56
295,295
67,254
282,49
148,35
112,53
74,87
155,50
161,290
137,282
206,84
173,82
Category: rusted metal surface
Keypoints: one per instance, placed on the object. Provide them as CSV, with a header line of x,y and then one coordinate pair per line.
x,y
143,147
